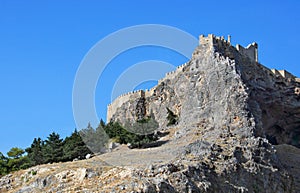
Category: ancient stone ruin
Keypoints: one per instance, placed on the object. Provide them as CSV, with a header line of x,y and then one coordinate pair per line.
x,y
212,42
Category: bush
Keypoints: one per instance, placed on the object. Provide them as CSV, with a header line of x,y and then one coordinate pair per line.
x,y
172,118
122,136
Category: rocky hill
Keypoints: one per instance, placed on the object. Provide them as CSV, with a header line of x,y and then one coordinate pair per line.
x,y
238,131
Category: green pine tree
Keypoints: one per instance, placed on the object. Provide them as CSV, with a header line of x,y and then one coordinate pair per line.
x,y
17,160
124,136
53,149
95,139
102,123
35,152
3,165
74,147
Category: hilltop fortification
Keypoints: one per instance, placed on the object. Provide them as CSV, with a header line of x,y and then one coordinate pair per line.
x,y
211,42
232,114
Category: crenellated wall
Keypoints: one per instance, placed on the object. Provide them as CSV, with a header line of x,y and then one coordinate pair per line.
x,y
250,51
111,108
285,74
213,40
219,44
172,74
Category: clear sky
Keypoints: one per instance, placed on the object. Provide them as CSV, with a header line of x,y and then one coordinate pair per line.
x,y
42,43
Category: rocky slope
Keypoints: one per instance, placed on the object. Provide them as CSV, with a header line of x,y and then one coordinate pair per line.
x,y
238,131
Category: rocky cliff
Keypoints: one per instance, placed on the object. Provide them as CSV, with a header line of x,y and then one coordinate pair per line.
x,y
223,85
238,131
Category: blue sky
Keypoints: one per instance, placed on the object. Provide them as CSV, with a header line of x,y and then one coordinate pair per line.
x,y
42,43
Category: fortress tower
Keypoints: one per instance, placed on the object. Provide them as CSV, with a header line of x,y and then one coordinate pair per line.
x,y
250,51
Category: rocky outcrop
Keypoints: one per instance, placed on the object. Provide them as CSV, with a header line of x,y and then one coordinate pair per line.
x,y
238,131
230,102
224,86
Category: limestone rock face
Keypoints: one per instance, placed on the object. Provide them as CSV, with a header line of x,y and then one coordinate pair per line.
x,y
224,88
235,106
238,131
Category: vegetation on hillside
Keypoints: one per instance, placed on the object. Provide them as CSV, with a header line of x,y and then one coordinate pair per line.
x,y
53,149
95,139
144,126
114,131
78,145
128,136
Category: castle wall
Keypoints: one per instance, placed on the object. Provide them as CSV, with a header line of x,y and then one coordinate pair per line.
x,y
149,92
112,108
275,72
285,74
206,40
173,74
250,51
213,40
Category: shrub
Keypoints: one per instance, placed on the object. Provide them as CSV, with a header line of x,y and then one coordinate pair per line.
x,y
172,118
122,136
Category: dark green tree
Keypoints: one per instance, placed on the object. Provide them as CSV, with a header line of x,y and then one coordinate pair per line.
x,y
3,165
115,131
74,147
95,139
144,126
172,118
102,123
123,136
101,136
35,152
53,149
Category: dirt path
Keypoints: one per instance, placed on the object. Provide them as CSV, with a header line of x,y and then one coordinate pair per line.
x,y
123,156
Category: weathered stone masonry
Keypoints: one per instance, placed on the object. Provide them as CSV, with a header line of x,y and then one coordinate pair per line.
x,y
251,52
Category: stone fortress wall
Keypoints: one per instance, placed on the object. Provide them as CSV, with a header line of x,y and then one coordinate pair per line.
x,y
251,51
172,74
111,108
285,74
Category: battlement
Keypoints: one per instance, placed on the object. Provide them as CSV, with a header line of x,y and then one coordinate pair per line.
x,y
139,92
112,108
211,39
285,74
250,51
149,92
172,74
